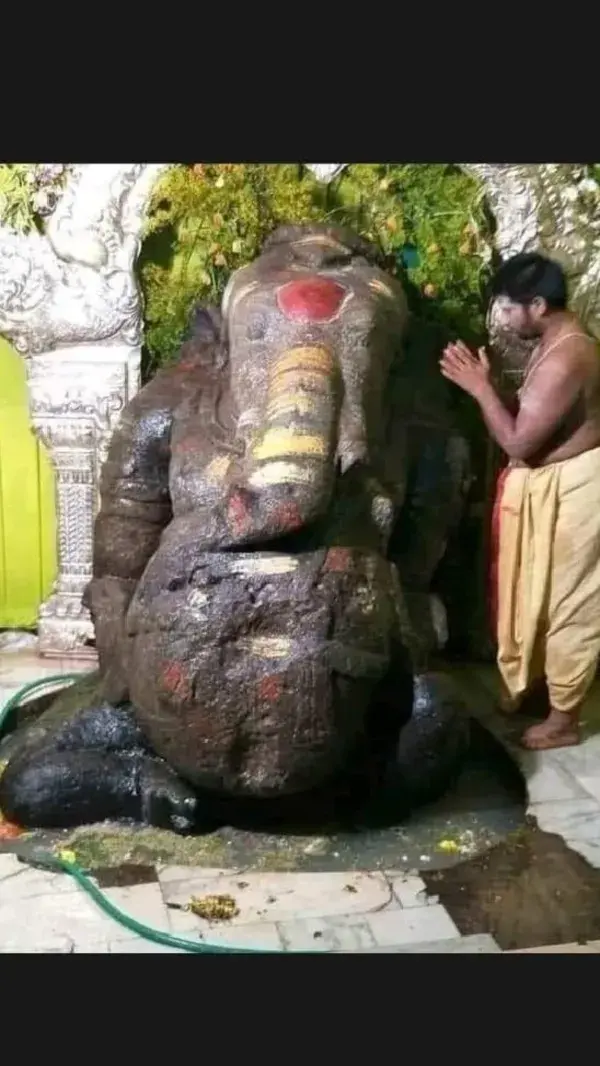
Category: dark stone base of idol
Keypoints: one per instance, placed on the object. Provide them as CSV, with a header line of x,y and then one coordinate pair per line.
x,y
95,766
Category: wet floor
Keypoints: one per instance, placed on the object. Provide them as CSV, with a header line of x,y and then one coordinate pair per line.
x,y
485,806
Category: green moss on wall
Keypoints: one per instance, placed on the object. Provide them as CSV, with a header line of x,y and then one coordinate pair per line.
x,y
206,220
29,192
16,207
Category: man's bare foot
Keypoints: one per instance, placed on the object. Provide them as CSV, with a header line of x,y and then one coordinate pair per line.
x,y
558,731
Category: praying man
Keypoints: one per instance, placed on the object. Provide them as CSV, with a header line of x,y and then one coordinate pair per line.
x,y
547,508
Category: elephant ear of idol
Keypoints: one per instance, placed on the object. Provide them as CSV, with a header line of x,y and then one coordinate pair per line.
x,y
135,499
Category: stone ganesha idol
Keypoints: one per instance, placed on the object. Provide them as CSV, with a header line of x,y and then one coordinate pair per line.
x,y
253,637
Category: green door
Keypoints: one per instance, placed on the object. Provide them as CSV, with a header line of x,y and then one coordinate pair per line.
x,y
28,549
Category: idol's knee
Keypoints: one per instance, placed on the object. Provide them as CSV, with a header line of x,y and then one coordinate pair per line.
x,y
28,787
56,789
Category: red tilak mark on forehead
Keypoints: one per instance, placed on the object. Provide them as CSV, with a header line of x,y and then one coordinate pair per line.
x,y
338,560
269,688
312,299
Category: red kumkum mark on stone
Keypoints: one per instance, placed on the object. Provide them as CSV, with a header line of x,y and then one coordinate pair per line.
x,y
238,514
175,681
312,299
187,444
287,516
338,560
8,830
269,688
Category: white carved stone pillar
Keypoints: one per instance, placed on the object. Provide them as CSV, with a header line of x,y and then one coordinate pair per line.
x,y
70,303
76,396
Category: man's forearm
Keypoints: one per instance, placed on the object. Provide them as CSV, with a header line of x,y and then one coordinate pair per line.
x,y
499,421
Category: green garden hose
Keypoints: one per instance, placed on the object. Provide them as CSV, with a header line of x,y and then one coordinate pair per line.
x,y
58,863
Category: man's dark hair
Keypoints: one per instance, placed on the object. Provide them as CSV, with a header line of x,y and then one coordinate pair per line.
x,y
529,275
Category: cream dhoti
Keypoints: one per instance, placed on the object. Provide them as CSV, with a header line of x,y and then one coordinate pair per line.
x,y
548,578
